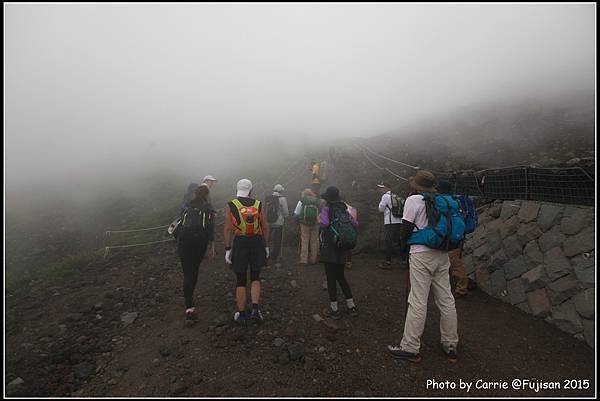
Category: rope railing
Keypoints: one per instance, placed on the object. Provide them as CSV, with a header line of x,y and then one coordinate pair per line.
x,y
108,232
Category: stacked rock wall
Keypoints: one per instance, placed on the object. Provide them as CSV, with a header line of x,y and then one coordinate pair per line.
x,y
539,257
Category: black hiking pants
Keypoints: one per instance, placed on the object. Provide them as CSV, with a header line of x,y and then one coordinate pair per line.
x,y
190,254
335,274
392,240
277,235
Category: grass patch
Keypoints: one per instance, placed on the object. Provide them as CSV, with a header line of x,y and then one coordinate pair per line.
x,y
52,273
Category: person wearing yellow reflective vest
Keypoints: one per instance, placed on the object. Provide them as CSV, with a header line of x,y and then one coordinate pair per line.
x,y
246,233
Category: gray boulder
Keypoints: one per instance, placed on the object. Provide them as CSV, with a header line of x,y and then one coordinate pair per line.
x,y
528,211
515,267
516,291
580,243
512,246
562,289
574,219
533,254
548,215
535,278
539,304
551,239
557,265
589,332
584,303
509,209
565,317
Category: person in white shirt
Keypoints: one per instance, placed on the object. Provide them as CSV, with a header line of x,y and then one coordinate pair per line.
x,y
428,271
276,227
391,223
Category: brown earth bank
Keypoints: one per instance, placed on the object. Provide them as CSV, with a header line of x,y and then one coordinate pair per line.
x,y
74,340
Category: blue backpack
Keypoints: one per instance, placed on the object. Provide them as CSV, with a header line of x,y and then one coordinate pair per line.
x,y
467,207
446,228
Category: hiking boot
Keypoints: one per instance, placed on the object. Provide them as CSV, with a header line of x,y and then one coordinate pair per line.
x,y
451,353
257,316
349,265
398,353
353,311
330,313
191,316
239,318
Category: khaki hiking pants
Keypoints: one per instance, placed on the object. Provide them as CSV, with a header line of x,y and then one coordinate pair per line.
x,y
429,270
457,270
309,243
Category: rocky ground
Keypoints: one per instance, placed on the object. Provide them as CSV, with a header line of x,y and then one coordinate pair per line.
x,y
117,329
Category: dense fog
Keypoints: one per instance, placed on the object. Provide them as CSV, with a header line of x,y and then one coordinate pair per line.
x,y
96,94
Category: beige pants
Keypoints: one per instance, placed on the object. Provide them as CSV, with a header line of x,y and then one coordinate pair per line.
x,y
457,270
309,241
429,270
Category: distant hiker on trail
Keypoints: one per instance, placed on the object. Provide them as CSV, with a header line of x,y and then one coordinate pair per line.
x,y
246,235
458,272
195,234
316,169
307,214
332,155
338,236
391,206
323,171
277,212
209,181
428,270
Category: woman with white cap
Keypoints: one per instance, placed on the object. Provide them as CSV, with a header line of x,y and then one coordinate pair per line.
x,y
246,233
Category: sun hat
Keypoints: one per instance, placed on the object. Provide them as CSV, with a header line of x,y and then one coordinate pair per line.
x,y
423,181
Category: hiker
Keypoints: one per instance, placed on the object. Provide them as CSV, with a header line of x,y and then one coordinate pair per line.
x,y
354,213
323,171
209,181
332,155
246,235
428,270
391,207
277,211
307,214
315,170
195,234
458,272
337,226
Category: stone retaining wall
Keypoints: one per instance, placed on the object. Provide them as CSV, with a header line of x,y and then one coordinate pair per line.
x,y
539,257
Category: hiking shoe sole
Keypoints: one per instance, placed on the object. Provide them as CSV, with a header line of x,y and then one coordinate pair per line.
x,y
404,356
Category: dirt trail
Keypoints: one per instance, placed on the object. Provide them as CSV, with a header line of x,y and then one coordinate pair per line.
x,y
94,354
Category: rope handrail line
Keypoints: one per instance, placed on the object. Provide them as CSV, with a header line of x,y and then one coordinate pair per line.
x,y
132,231
382,168
392,160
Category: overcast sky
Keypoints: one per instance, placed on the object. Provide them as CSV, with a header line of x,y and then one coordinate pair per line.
x,y
90,86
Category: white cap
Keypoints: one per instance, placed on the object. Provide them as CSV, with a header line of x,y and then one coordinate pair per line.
x,y
244,186
278,188
209,178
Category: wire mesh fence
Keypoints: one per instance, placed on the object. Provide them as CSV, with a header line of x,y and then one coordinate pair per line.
x,y
572,185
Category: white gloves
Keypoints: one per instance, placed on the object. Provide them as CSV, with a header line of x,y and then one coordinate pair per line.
x,y
228,256
267,251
